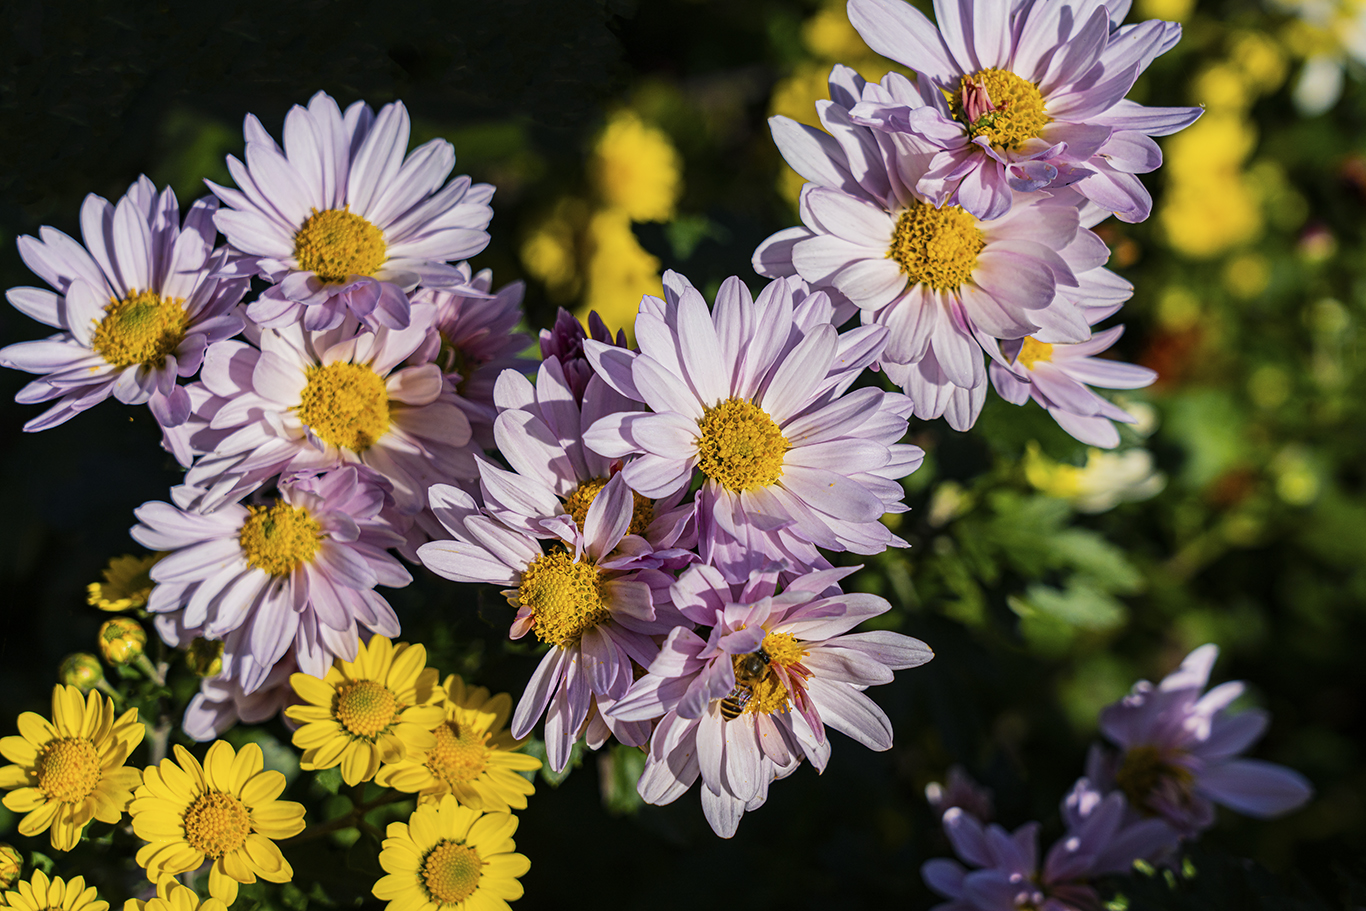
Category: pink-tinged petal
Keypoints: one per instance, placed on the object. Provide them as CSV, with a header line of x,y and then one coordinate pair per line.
x,y
898,30
1129,115
670,435
1231,735
1132,153
871,283
837,213
708,375
35,303
810,152
742,771
1109,374
792,386
608,518
894,650
1257,788
132,247
538,692
845,456
664,391
1092,431
613,366
984,191
851,713
278,379
532,448
199,561
658,476
820,257
773,257
415,385
1008,273
1076,57
831,493
463,562
723,812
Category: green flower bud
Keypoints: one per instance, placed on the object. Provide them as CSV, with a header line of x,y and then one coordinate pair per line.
x,y
122,640
81,670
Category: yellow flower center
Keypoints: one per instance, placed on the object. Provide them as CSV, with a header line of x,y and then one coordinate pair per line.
x,y
565,598
336,244
1144,770
345,405
279,538
143,328
1033,350
936,247
577,503
69,769
459,755
768,695
451,872
1013,114
365,707
740,446
216,824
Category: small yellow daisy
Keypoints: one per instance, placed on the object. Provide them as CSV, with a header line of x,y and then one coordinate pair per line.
x,y
41,893
474,757
449,856
225,811
127,583
71,770
382,707
172,896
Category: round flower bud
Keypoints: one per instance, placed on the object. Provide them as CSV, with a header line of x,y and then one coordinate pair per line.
x,y
81,670
205,657
122,640
11,865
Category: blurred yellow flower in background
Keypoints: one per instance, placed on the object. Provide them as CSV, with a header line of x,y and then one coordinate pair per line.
x,y
1108,478
636,169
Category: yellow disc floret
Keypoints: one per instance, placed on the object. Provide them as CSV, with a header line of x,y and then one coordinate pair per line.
x,y
366,708
68,769
936,246
582,497
345,405
565,598
336,244
1014,113
740,446
279,538
143,328
459,755
1033,351
451,872
216,823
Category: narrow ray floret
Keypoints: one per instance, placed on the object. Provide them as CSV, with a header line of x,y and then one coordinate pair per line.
x,y
748,702
579,594
344,220
172,896
754,396
296,571
43,893
1022,97
136,307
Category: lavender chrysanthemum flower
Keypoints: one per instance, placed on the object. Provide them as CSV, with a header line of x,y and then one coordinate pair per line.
x,y
297,572
564,342
744,705
136,306
343,220
1178,751
310,401
753,396
1057,376
1024,96
578,596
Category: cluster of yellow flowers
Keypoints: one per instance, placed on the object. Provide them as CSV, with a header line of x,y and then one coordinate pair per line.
x,y
382,717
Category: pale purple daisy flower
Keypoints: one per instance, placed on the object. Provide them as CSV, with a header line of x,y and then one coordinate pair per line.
x,y
564,342
744,705
1057,376
1023,96
302,400
1178,751
575,595
299,571
343,220
754,397
136,306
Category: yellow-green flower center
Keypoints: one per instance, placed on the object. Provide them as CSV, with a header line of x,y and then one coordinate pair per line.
x,y
68,769
345,405
143,328
1033,350
1144,770
1013,114
279,538
768,695
459,755
740,446
936,247
336,244
216,823
451,872
565,598
365,707
577,503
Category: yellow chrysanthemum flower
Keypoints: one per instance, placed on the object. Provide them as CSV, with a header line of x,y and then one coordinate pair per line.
x,y
636,168
172,896
382,707
127,583
70,771
224,811
449,856
474,758
41,893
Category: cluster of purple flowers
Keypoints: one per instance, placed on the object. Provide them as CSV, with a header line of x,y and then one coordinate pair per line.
x,y
1172,753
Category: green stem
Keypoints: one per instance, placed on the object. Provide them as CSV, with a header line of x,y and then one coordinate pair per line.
x,y
348,820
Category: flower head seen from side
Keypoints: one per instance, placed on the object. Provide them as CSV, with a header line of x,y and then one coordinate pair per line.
x,y
41,893
564,342
755,399
1023,97
475,758
295,571
381,707
127,584
449,856
748,702
1178,751
225,811
172,896
1107,479
343,220
135,307
70,770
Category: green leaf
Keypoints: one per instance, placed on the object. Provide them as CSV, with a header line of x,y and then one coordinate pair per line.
x,y
1080,605
620,770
